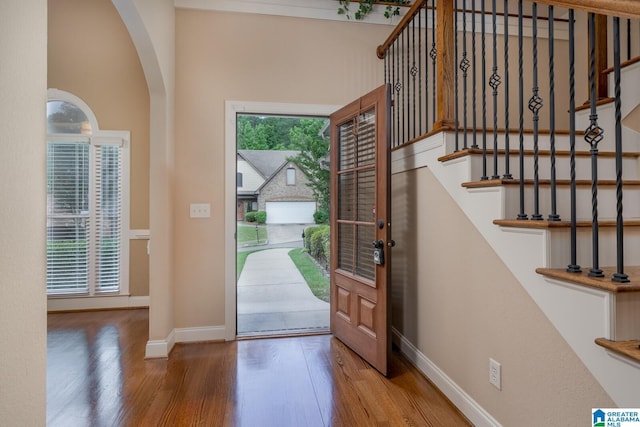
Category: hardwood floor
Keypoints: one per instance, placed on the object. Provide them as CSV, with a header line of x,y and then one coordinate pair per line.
x,y
97,376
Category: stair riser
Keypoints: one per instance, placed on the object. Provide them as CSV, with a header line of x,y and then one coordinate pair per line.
x,y
606,202
606,167
560,247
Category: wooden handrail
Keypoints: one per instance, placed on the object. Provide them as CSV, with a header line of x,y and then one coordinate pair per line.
x,y
404,22
621,8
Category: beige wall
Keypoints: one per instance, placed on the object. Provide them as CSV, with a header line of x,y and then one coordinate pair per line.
x,y
459,305
90,54
23,303
244,57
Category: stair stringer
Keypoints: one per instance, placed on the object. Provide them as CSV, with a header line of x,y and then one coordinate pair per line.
x,y
592,311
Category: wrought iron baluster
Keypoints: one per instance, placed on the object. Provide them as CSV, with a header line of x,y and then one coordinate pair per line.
x,y
407,88
573,267
619,276
494,82
521,214
507,172
464,66
628,39
553,216
397,86
402,87
535,104
455,84
433,54
414,72
420,76
426,66
483,30
473,74
593,135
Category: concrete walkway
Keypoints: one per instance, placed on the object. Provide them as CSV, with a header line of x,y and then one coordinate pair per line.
x,y
273,297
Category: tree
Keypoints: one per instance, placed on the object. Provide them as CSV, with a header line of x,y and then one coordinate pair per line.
x,y
313,159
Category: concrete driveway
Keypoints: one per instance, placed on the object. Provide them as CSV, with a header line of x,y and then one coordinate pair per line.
x,y
273,297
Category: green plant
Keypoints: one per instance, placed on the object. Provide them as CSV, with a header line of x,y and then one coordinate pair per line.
x,y
321,217
250,217
308,232
261,217
366,6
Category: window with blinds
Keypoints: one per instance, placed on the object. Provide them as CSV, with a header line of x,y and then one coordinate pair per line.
x,y
85,186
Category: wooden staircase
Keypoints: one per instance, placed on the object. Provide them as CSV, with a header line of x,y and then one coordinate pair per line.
x,y
624,339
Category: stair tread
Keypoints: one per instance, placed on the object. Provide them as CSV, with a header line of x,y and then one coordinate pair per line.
x,y
603,283
629,348
559,153
559,182
562,224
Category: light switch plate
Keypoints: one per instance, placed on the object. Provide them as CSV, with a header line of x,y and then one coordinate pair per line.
x,y
200,210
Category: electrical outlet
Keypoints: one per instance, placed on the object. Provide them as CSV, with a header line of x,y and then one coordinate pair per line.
x,y
495,374
200,210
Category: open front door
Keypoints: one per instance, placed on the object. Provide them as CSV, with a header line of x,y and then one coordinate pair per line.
x,y
360,226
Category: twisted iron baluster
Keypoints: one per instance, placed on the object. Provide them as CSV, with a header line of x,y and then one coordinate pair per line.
x,y
573,267
494,82
464,66
535,104
619,276
521,215
507,173
473,74
593,135
553,216
484,93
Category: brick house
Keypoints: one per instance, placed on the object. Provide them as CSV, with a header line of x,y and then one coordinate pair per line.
x,y
267,180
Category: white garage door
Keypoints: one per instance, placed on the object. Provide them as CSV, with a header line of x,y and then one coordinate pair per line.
x,y
290,212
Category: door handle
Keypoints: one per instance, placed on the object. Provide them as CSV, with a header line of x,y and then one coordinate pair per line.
x,y
378,244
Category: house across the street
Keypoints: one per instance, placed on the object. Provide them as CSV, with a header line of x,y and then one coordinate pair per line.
x,y
267,180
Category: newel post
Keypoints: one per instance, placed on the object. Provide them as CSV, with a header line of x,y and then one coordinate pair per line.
x,y
445,65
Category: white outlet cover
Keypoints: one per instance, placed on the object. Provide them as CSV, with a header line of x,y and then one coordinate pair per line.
x,y
495,374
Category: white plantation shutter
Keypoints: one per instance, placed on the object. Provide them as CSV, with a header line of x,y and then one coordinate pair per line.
x,y
68,221
108,217
87,201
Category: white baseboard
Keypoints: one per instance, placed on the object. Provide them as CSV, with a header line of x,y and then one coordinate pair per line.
x,y
200,333
97,302
162,348
469,407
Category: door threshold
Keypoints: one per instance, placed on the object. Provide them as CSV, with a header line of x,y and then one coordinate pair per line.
x,y
282,334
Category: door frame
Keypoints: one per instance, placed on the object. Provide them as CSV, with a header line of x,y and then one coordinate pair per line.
x,y
232,108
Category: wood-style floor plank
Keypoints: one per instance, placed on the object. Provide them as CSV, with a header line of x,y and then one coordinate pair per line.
x,y
97,376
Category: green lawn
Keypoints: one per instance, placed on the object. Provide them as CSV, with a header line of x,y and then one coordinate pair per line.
x,y
316,280
247,235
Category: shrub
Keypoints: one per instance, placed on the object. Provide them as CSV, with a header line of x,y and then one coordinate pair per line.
x,y
261,217
321,217
250,217
308,232
317,240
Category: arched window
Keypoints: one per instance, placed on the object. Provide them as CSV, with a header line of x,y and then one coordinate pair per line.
x,y
87,201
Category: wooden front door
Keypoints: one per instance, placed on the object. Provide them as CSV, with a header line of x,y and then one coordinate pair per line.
x,y
360,221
